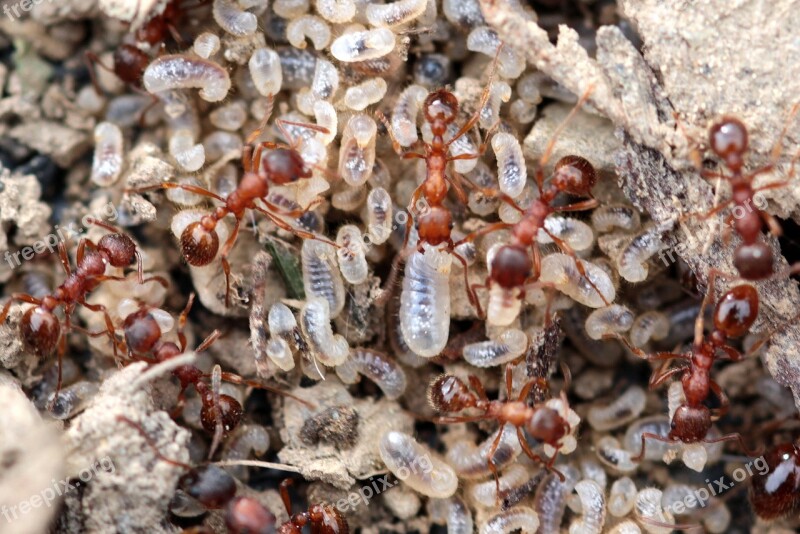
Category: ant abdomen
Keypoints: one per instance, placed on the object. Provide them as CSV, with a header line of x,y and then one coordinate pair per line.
x,y
449,393
246,515
41,331
773,493
212,486
199,244
574,175
142,331
690,424
736,310
753,261
229,408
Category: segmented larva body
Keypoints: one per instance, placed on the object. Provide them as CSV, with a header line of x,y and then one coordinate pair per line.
x,y
550,500
404,115
290,9
395,13
577,234
470,461
459,517
647,326
425,301
282,326
621,411
336,11
593,508
190,156
233,19
363,45
512,173
504,305
379,215
485,493
326,116
321,276
369,92
519,518
610,216
610,453
265,71
649,512
380,369
632,259
612,319
511,344
352,254
308,27
560,270
315,322
108,147
490,114
622,497
357,153
479,203
486,41
417,466
655,450
175,71
626,527
206,45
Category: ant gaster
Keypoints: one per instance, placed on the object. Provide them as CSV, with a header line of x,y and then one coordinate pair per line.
x,y
774,494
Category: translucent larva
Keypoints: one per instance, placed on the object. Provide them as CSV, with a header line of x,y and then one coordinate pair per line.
x,y
463,13
363,45
280,353
561,270
490,114
359,97
379,215
108,147
336,11
290,9
247,440
650,512
470,461
610,453
404,116
655,450
265,71
357,153
315,322
425,301
622,497
612,216
550,500
417,466
577,234
352,254
511,171
459,517
395,13
620,412
632,259
485,493
231,116
380,369
233,19
647,326
593,508
321,276
612,319
174,71
509,346
206,45
519,518
189,156
485,40
308,27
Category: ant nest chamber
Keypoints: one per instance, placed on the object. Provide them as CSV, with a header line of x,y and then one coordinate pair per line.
x,y
399,266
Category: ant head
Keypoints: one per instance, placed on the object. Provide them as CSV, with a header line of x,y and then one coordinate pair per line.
x,y
120,248
230,410
209,484
130,63
41,331
736,310
449,393
511,266
574,175
547,426
434,225
199,242
245,514
441,109
754,262
728,140
283,166
141,331
153,31
690,424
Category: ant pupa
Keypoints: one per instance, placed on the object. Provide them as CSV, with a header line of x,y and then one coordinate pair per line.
x,y
108,154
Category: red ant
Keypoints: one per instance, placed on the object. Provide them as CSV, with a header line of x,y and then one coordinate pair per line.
x,y
449,393
734,314
143,336
323,518
728,139
773,494
40,327
283,164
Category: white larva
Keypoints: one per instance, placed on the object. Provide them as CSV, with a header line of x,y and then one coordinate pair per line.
x,y
425,301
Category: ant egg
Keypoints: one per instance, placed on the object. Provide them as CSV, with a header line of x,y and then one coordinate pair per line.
x,y
511,172
362,45
621,411
174,71
508,347
610,453
520,518
336,11
189,156
379,215
490,114
632,260
108,158
352,254
404,115
470,461
551,496
357,153
315,322
416,466
358,97
233,19
649,325
593,509
622,497
485,493
608,217
380,369
395,13
510,63
425,301
613,319
265,70
650,513
561,270
577,234
321,277
308,27
206,45
290,9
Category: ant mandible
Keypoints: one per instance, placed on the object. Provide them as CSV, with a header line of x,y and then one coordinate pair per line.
x,y
728,139
449,393
734,314
41,329
281,165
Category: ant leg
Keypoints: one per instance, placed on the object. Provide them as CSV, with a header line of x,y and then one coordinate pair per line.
x,y
526,389
18,297
62,255
182,321
255,134
226,267
773,224
140,271
181,400
91,60
219,431
150,442
579,206
724,402
208,341
535,457
490,459
578,263
473,297
398,148
238,380
736,437
656,379
489,228
462,196
289,228
284,490
109,323
172,185
650,435
475,382
460,419
509,373
548,151
295,143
